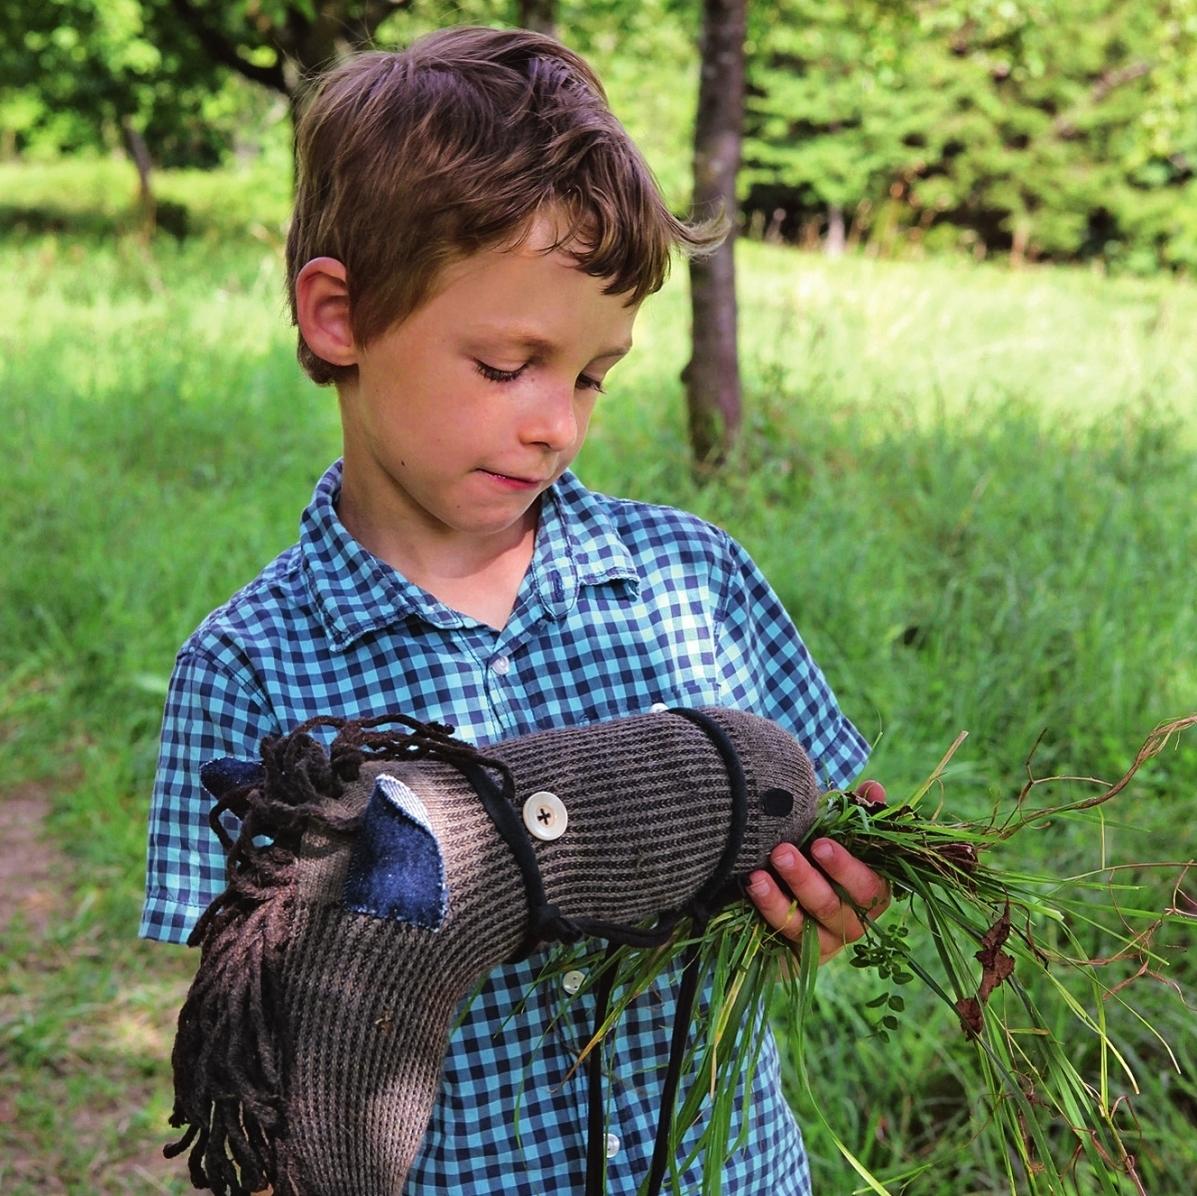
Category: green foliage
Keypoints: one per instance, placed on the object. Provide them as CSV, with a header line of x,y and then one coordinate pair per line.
x,y
1057,129
74,70
191,78
1048,129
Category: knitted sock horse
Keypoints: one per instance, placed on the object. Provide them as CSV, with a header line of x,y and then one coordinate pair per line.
x,y
372,886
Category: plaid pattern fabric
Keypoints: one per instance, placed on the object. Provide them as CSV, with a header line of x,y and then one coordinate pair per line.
x,y
624,606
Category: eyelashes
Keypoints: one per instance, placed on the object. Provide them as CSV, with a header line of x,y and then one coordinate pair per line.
x,y
585,382
489,372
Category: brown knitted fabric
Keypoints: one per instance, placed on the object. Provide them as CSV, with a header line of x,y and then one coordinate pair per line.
x,y
361,1006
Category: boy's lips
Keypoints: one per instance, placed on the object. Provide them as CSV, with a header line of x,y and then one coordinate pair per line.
x,y
514,480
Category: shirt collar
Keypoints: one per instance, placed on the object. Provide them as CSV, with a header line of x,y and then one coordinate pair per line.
x,y
577,544
355,593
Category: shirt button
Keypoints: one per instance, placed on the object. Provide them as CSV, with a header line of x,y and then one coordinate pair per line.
x,y
658,708
572,981
612,1145
545,816
501,665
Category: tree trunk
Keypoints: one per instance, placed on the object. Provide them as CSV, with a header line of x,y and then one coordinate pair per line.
x,y
836,233
1019,240
538,15
140,153
712,376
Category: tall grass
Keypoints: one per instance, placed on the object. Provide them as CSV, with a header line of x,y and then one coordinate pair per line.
x,y
973,489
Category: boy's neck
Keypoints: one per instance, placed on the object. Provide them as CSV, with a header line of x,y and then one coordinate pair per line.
x,y
480,577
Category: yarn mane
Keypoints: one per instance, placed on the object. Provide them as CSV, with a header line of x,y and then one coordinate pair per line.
x,y
227,1056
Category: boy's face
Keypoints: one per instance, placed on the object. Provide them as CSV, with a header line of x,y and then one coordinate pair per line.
x,y
464,413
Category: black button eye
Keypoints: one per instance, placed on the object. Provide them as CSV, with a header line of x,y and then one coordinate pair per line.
x,y
777,802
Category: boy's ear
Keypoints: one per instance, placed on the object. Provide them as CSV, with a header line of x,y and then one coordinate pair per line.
x,y
322,310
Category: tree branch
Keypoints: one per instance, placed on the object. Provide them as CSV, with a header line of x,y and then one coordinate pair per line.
x,y
1065,125
1117,78
222,50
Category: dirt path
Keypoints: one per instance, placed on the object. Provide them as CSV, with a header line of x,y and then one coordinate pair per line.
x,y
31,869
90,1116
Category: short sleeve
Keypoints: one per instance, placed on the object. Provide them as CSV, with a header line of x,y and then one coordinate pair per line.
x,y
769,670
208,714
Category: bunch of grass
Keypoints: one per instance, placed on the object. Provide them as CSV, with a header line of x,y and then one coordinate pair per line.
x,y
1008,960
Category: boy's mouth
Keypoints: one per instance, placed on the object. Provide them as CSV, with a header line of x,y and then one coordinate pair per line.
x,y
511,480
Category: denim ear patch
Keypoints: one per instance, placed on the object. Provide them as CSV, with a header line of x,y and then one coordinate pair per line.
x,y
226,773
396,870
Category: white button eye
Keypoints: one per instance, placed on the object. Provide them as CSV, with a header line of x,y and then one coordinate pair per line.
x,y
658,708
545,816
573,981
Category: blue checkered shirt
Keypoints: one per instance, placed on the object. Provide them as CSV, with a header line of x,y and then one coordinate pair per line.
x,y
624,605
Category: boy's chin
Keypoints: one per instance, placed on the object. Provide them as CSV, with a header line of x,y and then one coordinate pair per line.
x,y
498,519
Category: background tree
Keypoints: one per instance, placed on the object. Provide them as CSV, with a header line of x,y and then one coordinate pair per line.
x,y
827,115
93,74
712,375
76,70
1051,129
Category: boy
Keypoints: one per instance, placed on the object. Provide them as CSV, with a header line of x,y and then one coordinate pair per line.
x,y
473,235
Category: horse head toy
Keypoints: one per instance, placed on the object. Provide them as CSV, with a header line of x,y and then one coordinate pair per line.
x,y
371,886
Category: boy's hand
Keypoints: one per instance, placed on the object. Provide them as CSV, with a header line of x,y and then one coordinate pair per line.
x,y
815,895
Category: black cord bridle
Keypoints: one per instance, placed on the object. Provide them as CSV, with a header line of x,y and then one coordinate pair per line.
x,y
546,923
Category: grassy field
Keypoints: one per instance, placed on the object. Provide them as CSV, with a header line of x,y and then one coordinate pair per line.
x,y
974,490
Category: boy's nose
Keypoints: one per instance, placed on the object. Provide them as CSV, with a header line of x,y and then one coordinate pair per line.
x,y
552,419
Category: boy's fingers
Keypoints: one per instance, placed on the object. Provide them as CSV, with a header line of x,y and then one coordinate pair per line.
x,y
776,907
872,792
812,894
781,911
812,891
815,893
864,887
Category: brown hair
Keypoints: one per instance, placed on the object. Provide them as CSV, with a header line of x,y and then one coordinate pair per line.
x,y
410,160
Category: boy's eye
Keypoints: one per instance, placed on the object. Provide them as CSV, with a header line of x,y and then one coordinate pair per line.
x,y
585,382
493,374
497,375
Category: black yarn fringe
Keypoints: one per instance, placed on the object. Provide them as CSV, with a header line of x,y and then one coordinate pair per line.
x,y
229,1073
